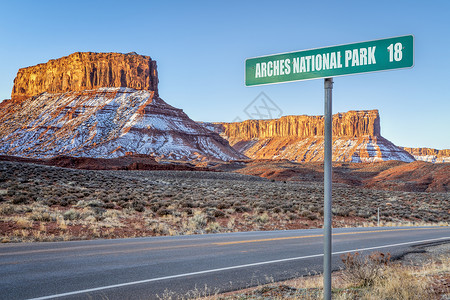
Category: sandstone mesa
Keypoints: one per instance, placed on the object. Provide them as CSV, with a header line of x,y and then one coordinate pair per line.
x,y
87,71
356,138
100,105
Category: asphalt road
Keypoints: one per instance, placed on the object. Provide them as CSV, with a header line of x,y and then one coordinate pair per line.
x,y
143,268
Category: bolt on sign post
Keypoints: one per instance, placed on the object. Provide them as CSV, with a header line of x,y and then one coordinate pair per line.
x,y
363,57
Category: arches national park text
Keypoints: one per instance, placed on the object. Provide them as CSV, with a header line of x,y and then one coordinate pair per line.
x,y
371,56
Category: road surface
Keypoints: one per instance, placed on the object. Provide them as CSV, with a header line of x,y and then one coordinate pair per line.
x,y
143,268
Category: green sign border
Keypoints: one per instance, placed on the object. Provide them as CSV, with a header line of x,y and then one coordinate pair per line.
x,y
382,55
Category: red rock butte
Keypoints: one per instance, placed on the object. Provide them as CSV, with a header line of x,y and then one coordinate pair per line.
x,y
85,71
349,124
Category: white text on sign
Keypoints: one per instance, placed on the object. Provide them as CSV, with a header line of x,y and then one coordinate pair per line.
x,y
319,62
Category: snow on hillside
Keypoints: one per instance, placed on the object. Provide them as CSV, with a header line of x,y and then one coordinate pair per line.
x,y
107,122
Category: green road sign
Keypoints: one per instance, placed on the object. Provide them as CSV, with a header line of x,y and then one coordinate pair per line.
x,y
363,57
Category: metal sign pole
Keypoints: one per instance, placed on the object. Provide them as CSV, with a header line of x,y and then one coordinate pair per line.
x,y
328,85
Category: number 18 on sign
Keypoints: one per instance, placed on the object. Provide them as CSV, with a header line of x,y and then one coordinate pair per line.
x,y
363,57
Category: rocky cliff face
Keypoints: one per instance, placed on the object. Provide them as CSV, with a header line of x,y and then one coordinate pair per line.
x,y
356,138
105,123
430,155
101,105
86,71
350,124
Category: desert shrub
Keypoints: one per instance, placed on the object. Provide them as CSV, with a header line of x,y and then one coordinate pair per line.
x,y
260,210
71,215
212,203
364,213
24,223
209,211
49,201
362,271
8,210
288,208
188,211
399,283
313,208
431,219
277,210
223,205
21,199
188,204
42,216
198,221
312,217
95,203
159,228
219,213
213,227
242,209
262,219
125,205
305,213
138,206
210,218
164,212
98,213
237,203
109,205
292,216
341,211
155,207
12,190
204,204
3,178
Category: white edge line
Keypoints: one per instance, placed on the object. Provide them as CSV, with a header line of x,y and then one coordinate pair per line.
x,y
224,269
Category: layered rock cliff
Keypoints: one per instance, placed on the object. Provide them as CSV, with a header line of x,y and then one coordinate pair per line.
x,y
101,105
430,155
349,124
86,71
105,123
356,138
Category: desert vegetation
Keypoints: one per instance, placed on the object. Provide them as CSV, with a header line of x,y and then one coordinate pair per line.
x,y
44,203
420,274
372,276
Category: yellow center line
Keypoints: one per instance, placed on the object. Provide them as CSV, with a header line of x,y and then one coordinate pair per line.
x,y
71,248
154,247
108,252
317,235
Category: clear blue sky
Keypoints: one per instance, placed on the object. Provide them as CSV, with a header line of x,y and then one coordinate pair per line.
x,y
201,47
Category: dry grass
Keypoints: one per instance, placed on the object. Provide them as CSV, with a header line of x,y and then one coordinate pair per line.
x,y
395,281
41,203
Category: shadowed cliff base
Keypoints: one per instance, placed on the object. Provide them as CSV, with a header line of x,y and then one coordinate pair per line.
x,y
129,162
390,175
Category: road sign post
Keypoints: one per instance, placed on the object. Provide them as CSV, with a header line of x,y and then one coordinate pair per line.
x,y
364,57
328,139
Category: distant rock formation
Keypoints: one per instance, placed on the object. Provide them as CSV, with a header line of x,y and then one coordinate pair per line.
x,y
430,155
86,71
349,124
356,138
